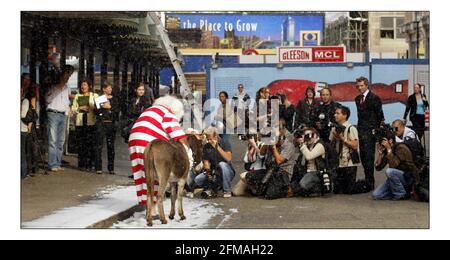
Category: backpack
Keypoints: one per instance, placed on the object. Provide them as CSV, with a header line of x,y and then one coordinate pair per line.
x,y
417,150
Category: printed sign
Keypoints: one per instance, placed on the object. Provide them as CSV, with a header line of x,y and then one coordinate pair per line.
x,y
311,54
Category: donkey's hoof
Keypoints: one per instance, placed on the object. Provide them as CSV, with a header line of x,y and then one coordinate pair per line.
x,y
182,217
149,224
163,221
171,217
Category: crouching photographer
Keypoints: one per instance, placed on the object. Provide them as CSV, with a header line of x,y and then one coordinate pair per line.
x,y
401,173
280,159
251,179
316,163
218,172
344,138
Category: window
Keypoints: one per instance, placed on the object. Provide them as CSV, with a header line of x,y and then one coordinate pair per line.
x,y
387,28
391,27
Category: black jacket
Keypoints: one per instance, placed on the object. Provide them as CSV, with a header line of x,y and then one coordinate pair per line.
x,y
370,113
288,115
109,114
304,113
135,110
411,107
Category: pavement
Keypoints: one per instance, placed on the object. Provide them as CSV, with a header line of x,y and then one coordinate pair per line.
x,y
44,194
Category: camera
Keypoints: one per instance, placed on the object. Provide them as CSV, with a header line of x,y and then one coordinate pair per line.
x,y
381,132
247,137
340,129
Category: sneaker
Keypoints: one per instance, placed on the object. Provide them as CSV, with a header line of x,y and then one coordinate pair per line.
x,y
99,172
227,195
61,169
190,195
54,169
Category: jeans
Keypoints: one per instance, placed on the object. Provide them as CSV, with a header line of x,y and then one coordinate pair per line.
x,y
395,187
108,130
311,183
23,156
227,177
56,138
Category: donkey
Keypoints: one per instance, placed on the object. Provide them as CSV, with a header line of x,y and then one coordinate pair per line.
x,y
168,162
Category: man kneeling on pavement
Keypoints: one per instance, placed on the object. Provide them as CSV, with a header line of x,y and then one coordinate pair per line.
x,y
270,168
218,171
401,173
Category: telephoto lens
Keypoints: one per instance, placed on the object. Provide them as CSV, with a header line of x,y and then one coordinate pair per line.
x,y
326,182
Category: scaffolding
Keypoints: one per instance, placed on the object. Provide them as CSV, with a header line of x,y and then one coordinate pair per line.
x,y
350,30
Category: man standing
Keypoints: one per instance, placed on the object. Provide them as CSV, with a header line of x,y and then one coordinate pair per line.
x,y
370,117
161,121
324,114
57,111
241,102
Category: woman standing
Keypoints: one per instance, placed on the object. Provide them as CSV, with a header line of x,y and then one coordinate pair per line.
x,y
107,115
304,109
287,111
83,107
416,107
138,103
226,116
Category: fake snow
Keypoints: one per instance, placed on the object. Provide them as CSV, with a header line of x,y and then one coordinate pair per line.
x,y
111,201
198,214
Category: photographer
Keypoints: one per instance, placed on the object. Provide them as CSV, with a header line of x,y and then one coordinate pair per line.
x,y
323,114
217,158
254,166
370,118
344,138
241,101
280,160
403,132
401,172
314,162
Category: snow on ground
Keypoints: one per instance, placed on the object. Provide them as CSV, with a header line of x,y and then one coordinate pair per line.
x,y
198,214
111,201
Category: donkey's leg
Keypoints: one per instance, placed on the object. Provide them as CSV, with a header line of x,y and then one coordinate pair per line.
x,y
181,184
149,209
161,194
173,198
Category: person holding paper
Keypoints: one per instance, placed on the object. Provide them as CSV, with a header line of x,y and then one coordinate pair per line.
x,y
83,107
107,111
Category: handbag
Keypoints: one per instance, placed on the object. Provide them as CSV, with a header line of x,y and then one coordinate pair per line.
x,y
354,154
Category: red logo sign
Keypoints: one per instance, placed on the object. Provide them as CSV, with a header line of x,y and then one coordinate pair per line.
x,y
311,54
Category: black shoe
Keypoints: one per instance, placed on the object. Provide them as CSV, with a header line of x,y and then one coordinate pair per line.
x,y
131,177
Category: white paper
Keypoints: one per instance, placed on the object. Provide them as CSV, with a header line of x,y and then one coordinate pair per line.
x,y
100,100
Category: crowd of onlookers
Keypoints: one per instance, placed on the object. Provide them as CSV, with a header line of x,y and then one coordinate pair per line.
x,y
96,118
315,150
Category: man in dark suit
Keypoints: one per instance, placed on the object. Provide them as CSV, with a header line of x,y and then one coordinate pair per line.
x,y
370,117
